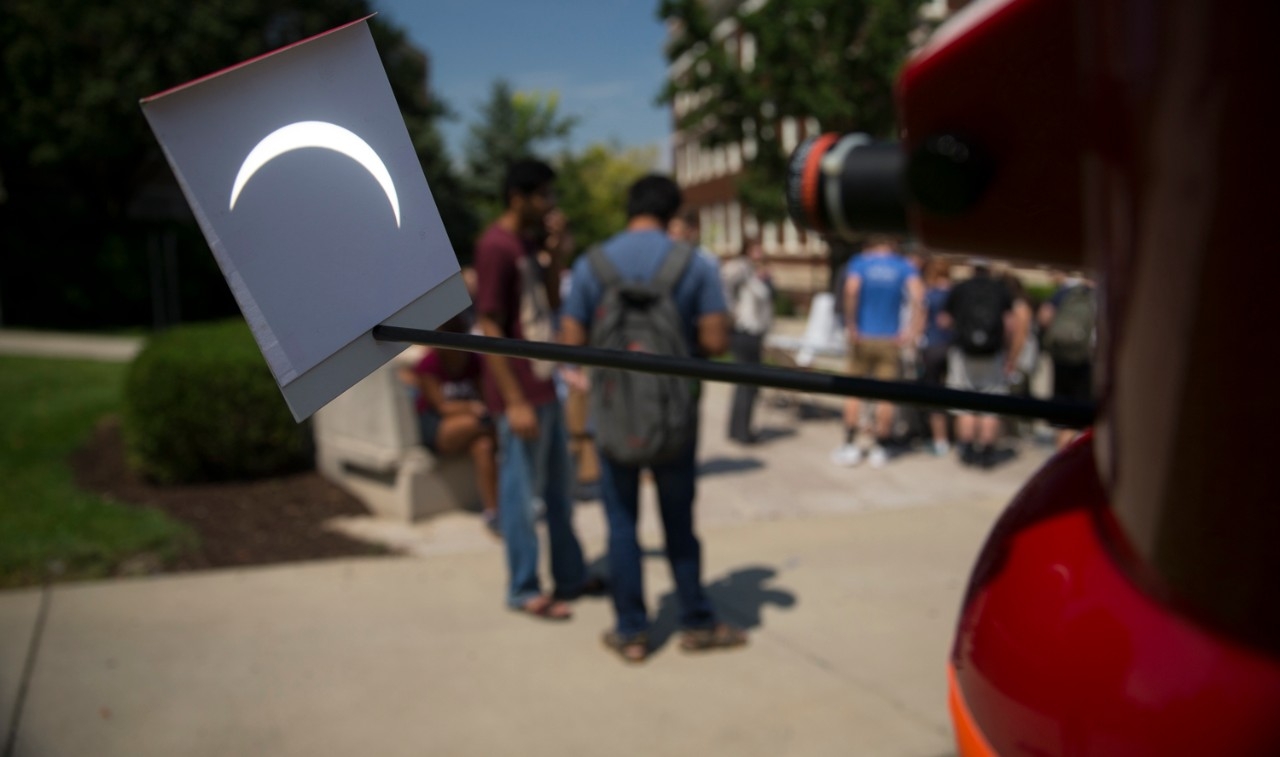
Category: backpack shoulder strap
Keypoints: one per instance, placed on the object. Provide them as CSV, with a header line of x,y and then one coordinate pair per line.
x,y
604,270
679,255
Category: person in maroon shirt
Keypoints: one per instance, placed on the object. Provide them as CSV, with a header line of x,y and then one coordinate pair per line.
x,y
454,420
533,461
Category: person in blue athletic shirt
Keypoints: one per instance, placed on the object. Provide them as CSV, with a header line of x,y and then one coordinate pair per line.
x,y
877,283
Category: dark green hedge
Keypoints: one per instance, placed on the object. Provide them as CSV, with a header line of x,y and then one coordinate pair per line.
x,y
201,405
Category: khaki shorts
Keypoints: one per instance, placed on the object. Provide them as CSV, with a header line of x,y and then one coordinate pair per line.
x,y
877,359
976,373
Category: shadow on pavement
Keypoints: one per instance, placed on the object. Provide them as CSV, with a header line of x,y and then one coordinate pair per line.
x,y
739,599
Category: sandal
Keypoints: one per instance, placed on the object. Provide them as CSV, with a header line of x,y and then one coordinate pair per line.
x,y
719,636
490,520
546,608
633,649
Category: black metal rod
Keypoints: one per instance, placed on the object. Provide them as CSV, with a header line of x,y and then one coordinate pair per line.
x,y
1068,414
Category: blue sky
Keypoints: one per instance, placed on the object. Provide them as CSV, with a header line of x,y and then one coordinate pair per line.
x,y
604,57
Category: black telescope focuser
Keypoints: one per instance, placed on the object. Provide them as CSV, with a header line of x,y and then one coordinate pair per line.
x,y
850,184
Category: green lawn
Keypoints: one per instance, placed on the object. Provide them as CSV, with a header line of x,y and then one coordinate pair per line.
x,y
47,408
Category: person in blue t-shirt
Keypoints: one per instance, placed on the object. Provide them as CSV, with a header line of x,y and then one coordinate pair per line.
x,y
875,287
637,253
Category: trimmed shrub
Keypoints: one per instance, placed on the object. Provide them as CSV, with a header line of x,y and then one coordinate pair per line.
x,y
200,404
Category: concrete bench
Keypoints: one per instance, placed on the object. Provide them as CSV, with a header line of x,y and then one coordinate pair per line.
x,y
368,442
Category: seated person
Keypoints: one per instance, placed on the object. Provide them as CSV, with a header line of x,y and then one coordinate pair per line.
x,y
452,418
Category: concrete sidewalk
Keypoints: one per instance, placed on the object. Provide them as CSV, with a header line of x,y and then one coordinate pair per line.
x,y
120,349
851,617
848,579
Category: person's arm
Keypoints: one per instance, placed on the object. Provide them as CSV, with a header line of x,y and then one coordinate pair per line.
x,y
495,276
573,327
916,316
713,334
711,309
572,332
1017,323
520,414
434,392
1047,311
852,287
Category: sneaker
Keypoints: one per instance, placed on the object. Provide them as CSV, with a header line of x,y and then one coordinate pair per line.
x,y
846,455
967,454
940,448
992,457
878,457
985,458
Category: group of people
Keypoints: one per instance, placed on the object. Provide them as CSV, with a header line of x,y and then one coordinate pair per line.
x,y
905,319
508,414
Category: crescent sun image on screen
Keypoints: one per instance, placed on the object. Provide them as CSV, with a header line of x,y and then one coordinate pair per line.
x,y
303,134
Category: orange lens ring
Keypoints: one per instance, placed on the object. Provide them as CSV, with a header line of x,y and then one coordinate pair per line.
x,y
969,739
811,176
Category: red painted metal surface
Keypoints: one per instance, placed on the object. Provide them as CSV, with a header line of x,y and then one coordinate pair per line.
x,y
1128,601
1059,653
995,75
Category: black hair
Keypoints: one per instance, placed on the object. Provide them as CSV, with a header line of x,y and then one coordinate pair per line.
x,y
525,177
654,195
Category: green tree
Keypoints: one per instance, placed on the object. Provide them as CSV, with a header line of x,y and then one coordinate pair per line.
x,y
833,60
592,188
512,125
407,70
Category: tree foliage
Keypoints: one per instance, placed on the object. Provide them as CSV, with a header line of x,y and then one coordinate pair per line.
x,y
592,188
511,126
833,60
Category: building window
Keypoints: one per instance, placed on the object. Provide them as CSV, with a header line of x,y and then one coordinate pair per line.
x,y
750,226
722,236
735,158
790,135
748,52
735,227
720,161
769,238
814,242
791,238
724,29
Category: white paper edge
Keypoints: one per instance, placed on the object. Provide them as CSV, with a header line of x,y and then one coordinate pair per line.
x,y
337,373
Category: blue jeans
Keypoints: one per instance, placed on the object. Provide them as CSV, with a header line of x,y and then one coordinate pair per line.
x,y
528,470
677,484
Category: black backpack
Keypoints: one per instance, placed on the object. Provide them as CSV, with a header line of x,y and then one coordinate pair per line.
x,y
641,418
980,316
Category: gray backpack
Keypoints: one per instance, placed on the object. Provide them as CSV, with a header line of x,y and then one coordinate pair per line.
x,y
1070,336
641,418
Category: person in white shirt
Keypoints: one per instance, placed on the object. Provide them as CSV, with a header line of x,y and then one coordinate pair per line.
x,y
748,289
